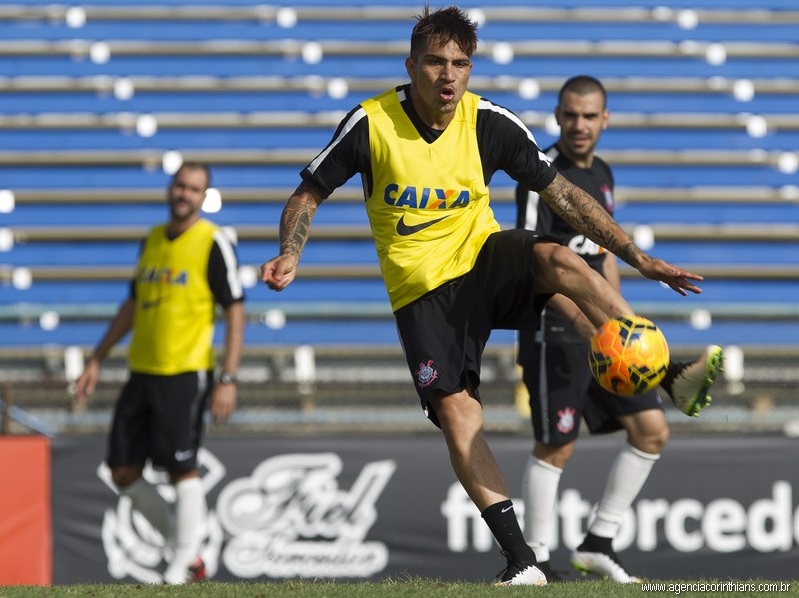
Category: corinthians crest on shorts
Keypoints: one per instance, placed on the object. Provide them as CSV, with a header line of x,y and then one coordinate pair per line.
x,y
565,420
425,374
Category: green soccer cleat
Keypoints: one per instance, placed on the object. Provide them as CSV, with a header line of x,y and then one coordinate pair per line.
x,y
688,383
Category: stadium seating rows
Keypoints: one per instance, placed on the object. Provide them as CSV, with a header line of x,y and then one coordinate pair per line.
x,y
703,141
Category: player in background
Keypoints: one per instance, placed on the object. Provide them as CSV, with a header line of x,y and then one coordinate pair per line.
x,y
554,361
426,152
185,268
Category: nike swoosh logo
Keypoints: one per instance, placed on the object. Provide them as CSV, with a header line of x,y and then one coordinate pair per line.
x,y
506,509
148,304
183,455
404,230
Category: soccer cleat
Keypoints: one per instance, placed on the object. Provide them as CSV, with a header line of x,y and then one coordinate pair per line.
x,y
521,575
549,572
688,383
197,571
194,573
603,564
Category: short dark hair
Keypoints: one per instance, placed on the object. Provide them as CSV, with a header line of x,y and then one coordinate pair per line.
x,y
444,25
583,85
194,166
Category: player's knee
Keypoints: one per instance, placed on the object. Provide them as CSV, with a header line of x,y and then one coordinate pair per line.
x,y
662,438
557,455
652,441
125,476
560,458
459,415
175,477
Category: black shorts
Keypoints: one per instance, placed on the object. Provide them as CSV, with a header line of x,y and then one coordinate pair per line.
x,y
444,332
160,418
563,391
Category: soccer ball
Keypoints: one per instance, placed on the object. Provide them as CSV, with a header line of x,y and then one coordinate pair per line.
x,y
628,356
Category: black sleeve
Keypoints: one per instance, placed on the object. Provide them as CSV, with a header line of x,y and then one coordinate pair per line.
x,y
545,218
223,276
521,205
345,155
507,144
133,280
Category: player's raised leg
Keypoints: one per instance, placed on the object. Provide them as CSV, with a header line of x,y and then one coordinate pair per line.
x,y
560,270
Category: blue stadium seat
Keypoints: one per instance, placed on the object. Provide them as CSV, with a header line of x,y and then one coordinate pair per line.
x,y
48,80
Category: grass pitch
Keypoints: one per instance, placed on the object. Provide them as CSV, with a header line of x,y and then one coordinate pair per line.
x,y
417,588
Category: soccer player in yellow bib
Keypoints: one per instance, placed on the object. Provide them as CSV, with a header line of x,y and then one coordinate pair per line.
x,y
426,152
186,267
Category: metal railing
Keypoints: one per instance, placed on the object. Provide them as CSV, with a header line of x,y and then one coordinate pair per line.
x,y
368,388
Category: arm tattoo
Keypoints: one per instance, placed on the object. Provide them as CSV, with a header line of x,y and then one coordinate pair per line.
x,y
295,222
585,214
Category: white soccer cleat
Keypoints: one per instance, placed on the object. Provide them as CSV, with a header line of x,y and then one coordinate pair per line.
x,y
604,565
179,574
526,576
688,384
520,574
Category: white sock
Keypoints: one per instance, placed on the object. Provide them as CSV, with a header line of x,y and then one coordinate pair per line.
x,y
626,478
540,482
145,499
190,510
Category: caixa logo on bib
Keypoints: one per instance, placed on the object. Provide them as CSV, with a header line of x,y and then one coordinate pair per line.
x,y
289,518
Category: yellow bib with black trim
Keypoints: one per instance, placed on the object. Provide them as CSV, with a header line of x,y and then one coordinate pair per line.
x,y
429,208
173,323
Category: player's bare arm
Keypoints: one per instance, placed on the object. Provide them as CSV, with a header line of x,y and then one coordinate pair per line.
x,y
586,215
119,326
223,399
580,210
295,226
295,222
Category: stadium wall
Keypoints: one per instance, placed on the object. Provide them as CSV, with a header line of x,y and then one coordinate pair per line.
x,y
25,524
369,507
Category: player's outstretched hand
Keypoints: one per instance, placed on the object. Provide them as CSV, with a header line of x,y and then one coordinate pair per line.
x,y
678,279
278,272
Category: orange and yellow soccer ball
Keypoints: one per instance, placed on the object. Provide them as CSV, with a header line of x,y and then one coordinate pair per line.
x,y
628,356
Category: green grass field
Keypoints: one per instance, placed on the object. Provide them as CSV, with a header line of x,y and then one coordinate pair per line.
x,y
417,588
